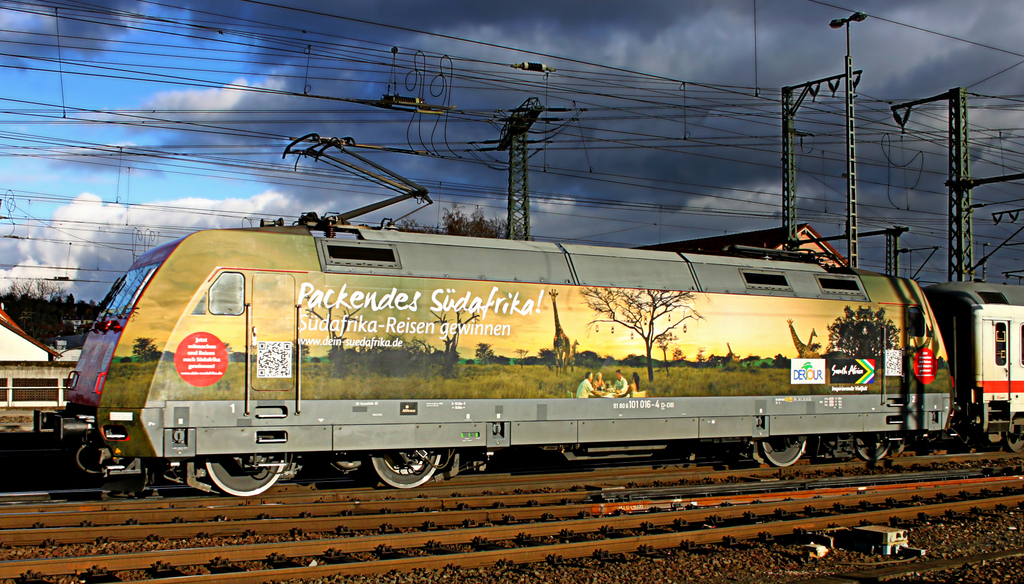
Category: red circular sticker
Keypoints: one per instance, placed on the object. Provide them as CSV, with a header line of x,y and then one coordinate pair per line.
x,y
924,365
201,359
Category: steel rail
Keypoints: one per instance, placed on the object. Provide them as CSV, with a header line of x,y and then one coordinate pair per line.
x,y
35,528
497,484
823,512
644,543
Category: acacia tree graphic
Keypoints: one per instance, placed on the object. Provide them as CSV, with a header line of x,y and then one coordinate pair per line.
x,y
664,342
336,352
642,311
451,340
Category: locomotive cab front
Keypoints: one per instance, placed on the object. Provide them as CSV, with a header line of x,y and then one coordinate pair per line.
x,y
78,428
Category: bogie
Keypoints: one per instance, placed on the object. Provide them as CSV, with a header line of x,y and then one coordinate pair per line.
x,y
250,475
405,469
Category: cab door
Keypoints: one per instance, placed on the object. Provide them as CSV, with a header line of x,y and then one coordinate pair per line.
x,y
996,359
273,332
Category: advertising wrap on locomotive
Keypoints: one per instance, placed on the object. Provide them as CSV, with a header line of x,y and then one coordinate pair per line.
x,y
229,355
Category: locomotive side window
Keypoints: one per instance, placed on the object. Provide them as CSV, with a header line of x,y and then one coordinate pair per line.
x,y
360,254
1000,344
762,279
915,322
227,295
840,286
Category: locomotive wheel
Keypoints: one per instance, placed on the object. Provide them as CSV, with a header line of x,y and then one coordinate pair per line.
x,y
782,450
1013,442
406,469
871,447
236,476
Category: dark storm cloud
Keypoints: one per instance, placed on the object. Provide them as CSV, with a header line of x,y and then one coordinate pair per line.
x,y
728,153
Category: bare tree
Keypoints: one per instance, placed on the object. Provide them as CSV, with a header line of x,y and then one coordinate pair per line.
x,y
49,290
455,222
642,311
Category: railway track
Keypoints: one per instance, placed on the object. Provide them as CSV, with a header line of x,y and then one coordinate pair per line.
x,y
479,524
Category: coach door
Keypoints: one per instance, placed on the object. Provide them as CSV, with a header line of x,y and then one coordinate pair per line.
x,y
1016,389
996,359
274,344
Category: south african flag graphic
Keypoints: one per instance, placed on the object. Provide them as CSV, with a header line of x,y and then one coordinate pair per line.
x,y
869,371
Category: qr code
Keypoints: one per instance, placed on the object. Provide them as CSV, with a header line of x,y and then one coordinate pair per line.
x,y
273,359
894,363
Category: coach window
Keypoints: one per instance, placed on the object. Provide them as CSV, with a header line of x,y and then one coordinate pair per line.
x,y
227,295
1000,343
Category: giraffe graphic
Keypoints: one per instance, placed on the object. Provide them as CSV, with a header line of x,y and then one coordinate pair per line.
x,y
805,351
572,358
562,347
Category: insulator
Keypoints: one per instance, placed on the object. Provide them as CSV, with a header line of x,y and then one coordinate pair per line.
x,y
538,67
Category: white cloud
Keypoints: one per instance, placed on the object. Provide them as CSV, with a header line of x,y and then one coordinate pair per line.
x,y
213,99
99,237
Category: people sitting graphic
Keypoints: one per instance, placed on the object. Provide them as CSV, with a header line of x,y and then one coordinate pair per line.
x,y
620,387
594,386
586,387
634,387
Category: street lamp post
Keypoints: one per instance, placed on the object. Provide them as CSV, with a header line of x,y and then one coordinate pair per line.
x,y
852,251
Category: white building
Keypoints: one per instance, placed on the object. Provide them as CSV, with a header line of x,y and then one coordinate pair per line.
x,y
16,345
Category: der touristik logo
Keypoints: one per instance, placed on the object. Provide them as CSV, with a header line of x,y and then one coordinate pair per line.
x,y
806,371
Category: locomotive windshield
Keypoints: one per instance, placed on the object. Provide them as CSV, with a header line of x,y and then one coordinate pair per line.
x,y
125,291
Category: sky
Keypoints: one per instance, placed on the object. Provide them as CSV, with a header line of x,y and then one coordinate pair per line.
x,y
127,124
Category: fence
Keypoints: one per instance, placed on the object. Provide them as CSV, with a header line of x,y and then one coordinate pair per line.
x,y
34,385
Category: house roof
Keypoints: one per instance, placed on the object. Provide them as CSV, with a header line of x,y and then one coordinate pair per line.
x,y
7,322
774,238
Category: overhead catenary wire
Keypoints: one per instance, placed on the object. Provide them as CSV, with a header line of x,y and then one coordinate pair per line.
x,y
724,118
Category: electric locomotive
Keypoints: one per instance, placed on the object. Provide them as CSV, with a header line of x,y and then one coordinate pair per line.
x,y
225,359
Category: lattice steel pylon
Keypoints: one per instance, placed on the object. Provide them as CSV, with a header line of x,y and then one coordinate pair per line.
x,y
961,238
513,139
960,244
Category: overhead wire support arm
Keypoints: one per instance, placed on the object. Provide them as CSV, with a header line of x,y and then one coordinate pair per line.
x,y
1005,243
790,105
970,183
370,171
